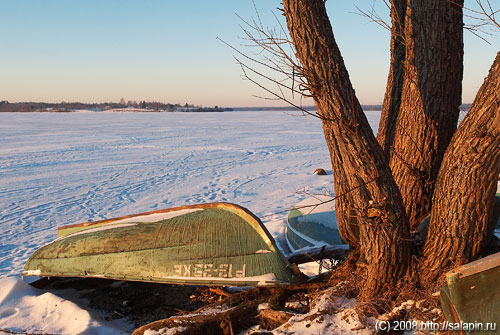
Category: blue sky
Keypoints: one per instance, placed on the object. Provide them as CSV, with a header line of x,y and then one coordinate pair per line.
x,y
167,51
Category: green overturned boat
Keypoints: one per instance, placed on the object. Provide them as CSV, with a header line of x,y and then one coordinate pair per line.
x,y
216,243
313,223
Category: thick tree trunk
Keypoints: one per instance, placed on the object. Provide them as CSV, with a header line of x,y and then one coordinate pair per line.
x,y
464,195
394,88
362,177
416,136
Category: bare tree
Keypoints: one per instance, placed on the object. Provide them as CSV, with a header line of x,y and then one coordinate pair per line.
x,y
420,163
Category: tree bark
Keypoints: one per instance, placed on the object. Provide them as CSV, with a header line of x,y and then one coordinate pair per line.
x,y
465,189
416,133
394,87
362,178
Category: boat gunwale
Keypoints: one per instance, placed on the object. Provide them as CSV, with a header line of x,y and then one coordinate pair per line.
x,y
170,280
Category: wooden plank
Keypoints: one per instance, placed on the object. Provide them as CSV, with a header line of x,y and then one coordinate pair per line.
x,y
480,265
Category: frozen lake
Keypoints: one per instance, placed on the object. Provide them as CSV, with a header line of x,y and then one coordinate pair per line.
x,y
63,168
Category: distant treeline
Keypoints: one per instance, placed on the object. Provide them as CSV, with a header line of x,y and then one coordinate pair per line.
x,y
5,106
146,106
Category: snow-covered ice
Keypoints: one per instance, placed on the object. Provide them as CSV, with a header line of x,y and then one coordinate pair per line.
x,y
66,168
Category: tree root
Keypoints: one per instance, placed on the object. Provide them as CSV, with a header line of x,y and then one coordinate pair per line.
x,y
227,322
270,319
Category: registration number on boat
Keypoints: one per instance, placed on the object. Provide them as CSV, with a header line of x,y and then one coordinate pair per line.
x,y
209,270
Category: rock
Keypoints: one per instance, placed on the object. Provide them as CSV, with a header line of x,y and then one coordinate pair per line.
x,y
320,172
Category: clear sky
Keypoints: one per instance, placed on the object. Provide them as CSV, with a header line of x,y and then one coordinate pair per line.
x,y
162,50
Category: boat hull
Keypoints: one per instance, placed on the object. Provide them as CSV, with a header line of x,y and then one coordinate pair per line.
x,y
217,243
313,223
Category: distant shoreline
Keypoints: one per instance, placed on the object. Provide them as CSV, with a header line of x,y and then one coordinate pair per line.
x,y
148,107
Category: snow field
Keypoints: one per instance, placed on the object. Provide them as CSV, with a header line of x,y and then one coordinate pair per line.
x,y
65,168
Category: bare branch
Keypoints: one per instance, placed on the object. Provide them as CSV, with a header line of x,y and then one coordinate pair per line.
x,y
483,16
243,67
273,62
373,16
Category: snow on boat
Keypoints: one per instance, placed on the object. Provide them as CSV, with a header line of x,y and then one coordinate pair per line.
x,y
216,243
312,224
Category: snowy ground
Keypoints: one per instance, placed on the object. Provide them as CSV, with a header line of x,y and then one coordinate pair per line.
x,y
64,168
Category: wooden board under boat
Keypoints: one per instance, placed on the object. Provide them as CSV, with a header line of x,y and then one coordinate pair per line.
x,y
217,243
